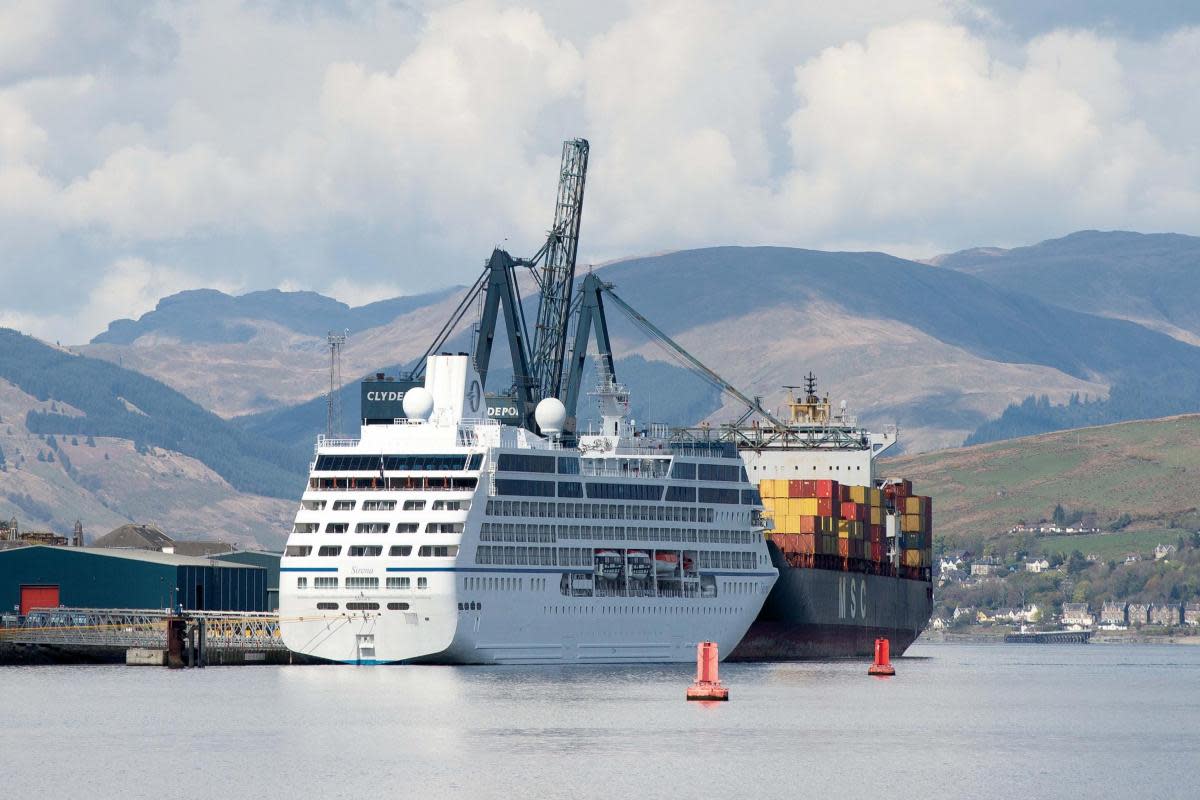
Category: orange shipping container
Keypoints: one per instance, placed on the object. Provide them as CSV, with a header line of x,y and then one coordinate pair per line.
x,y
809,524
844,548
828,489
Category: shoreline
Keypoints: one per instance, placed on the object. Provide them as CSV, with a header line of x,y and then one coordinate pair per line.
x,y
1189,638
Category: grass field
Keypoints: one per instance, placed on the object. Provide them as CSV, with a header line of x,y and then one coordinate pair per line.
x,y
1109,546
1148,469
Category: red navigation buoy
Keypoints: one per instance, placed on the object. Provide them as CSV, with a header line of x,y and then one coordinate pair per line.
x,y
883,662
708,685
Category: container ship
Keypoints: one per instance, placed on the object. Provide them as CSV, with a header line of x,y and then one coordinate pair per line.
x,y
446,537
853,547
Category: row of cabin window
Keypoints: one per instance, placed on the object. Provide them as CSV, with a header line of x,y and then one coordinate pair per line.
x,y
372,550
528,462
524,532
362,606
408,463
378,527
361,583
585,557
387,505
535,508
409,484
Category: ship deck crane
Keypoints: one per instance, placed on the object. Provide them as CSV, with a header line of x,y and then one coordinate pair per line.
x,y
538,361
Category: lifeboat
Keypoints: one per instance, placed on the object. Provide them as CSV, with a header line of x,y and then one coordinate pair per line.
x,y
609,564
666,563
639,564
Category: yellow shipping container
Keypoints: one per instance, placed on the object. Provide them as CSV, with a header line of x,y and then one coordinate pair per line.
x,y
875,497
768,505
766,488
912,558
791,524
876,515
804,506
858,494
914,505
912,523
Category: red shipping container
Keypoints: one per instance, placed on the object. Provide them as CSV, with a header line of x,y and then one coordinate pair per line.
x,y
808,524
794,489
808,488
844,548
826,507
829,489
806,543
876,533
877,551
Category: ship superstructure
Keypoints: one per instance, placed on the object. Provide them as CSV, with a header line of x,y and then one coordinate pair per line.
x,y
446,537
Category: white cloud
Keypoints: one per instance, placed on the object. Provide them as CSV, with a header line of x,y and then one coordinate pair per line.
x,y
127,289
378,146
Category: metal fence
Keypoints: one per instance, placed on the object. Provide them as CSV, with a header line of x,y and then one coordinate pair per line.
x,y
129,628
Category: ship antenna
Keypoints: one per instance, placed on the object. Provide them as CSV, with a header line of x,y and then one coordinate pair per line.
x,y
333,400
810,387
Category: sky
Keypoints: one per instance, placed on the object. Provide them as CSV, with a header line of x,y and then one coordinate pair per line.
x,y
367,149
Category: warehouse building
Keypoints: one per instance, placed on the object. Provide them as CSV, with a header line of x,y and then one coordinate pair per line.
x,y
91,577
258,558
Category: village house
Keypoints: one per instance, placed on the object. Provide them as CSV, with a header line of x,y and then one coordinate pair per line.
x,y
1161,551
1113,614
985,567
1191,613
1164,614
1077,614
1037,565
1139,613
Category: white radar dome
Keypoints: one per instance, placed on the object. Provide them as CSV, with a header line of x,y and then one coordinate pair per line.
x,y
418,403
550,416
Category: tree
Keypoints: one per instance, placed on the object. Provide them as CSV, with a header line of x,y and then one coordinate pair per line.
x,y
41,455
1059,517
1076,563
90,441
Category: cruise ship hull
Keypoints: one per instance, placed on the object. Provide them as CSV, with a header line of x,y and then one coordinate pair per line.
x,y
824,614
532,624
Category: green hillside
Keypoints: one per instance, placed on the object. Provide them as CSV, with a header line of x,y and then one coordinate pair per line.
x,y
1132,476
123,404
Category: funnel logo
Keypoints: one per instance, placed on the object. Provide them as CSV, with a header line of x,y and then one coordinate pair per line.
x,y
474,395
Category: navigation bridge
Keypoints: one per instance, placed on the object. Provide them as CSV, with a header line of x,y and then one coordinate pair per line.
x,y
90,634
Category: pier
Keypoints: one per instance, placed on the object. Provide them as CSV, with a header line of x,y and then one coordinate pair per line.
x,y
139,636
1048,637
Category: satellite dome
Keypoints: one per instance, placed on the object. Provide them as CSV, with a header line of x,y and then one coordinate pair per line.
x,y
550,416
418,403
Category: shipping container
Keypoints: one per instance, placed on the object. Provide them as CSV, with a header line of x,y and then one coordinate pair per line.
x,y
828,489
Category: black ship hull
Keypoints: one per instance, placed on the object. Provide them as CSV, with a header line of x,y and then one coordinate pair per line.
x,y
824,613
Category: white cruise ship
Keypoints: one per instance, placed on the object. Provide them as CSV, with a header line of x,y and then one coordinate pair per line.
x,y
447,538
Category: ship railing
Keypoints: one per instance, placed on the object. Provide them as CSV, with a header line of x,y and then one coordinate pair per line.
x,y
478,432
325,441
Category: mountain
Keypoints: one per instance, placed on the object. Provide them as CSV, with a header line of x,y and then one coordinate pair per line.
x,y
1132,476
84,439
1146,278
1149,279
266,350
939,351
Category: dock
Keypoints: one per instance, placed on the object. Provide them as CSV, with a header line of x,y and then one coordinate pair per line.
x,y
142,637
1048,637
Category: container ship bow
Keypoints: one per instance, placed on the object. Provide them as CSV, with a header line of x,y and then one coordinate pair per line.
x,y
853,548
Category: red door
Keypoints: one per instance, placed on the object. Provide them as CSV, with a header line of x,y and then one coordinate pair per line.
x,y
38,597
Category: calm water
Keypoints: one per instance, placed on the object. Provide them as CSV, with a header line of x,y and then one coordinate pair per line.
x,y
998,721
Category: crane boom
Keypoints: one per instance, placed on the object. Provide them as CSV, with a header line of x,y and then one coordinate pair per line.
x,y
558,273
